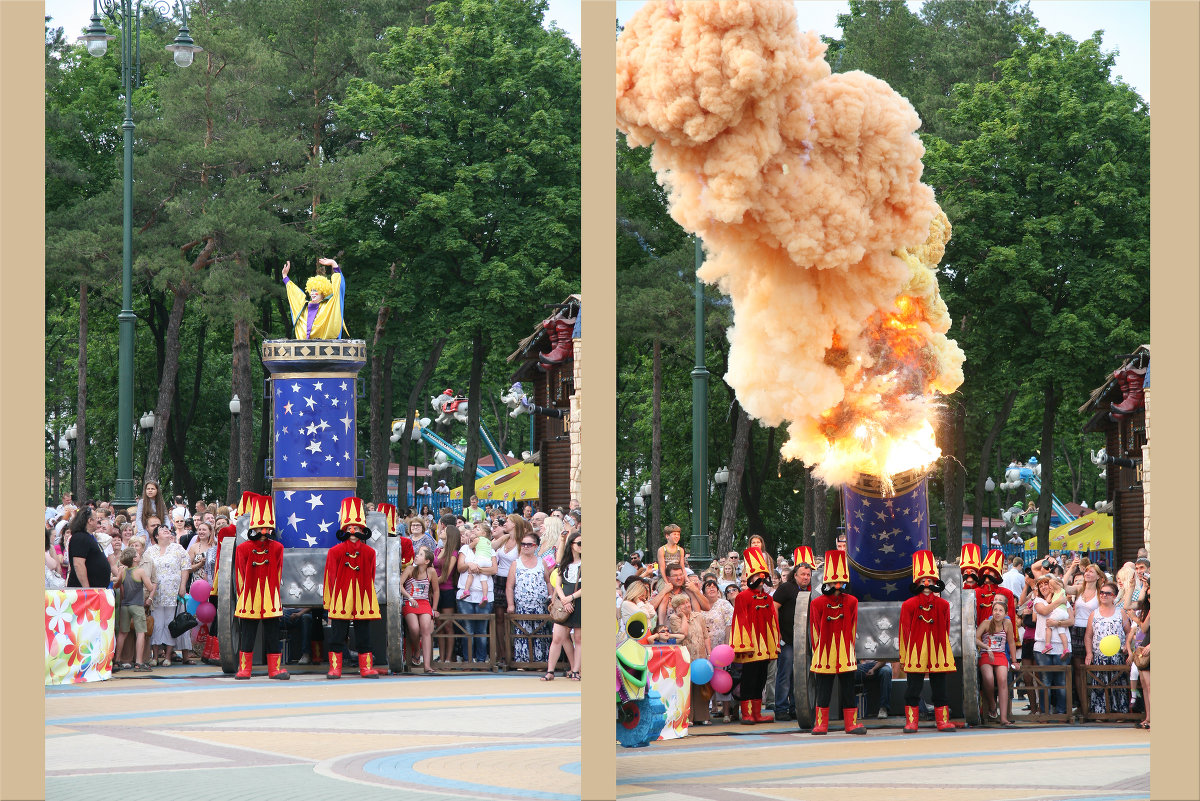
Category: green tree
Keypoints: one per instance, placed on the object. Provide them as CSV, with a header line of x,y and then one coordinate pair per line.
x,y
1050,203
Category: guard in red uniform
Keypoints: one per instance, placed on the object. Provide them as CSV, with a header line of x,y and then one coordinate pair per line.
x,y
969,564
754,635
985,595
392,515
350,590
925,643
258,572
832,627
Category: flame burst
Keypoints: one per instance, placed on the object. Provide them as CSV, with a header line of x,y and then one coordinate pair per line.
x,y
805,188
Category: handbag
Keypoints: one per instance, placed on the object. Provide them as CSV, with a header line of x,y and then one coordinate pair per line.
x,y
183,622
1140,658
558,611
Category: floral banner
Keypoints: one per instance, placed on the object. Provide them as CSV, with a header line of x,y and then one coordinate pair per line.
x,y
80,635
670,674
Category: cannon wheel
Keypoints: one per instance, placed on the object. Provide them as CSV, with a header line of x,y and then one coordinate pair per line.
x,y
804,688
227,634
970,660
395,608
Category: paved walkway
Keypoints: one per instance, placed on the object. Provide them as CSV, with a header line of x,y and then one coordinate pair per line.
x,y
195,733
777,761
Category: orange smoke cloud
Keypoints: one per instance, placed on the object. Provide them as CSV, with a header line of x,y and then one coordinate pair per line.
x,y
806,189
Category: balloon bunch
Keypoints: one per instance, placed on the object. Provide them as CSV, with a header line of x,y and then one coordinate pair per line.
x,y
711,671
197,602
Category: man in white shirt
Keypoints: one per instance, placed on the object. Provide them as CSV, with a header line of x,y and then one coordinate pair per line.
x,y
1014,578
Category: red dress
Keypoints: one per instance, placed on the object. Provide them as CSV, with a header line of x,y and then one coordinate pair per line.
x,y
350,582
259,570
755,631
832,625
925,635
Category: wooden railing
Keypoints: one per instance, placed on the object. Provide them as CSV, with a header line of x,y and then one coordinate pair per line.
x,y
1038,689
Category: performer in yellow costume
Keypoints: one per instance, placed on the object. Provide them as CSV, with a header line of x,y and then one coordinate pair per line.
x,y
317,314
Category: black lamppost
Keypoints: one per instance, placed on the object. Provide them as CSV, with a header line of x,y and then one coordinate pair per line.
x,y
147,424
69,436
126,14
644,493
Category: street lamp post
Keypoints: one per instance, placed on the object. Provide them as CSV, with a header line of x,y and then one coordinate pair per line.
x,y
644,493
700,556
638,503
126,14
69,436
147,423
989,487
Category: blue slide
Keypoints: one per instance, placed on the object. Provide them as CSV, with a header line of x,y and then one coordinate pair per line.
x,y
454,454
1059,509
489,442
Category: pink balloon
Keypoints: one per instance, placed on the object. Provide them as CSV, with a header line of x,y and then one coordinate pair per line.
x,y
206,612
721,681
721,656
200,590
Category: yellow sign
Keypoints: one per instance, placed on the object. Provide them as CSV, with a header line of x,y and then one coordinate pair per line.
x,y
1092,532
517,482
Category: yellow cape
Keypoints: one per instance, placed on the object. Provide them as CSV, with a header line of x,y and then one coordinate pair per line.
x,y
328,324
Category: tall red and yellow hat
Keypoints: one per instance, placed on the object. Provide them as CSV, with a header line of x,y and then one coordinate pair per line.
x,y
352,513
925,566
756,562
262,512
243,506
392,514
969,558
803,555
837,570
993,562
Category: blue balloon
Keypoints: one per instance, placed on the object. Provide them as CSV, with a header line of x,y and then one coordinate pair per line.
x,y
190,604
702,671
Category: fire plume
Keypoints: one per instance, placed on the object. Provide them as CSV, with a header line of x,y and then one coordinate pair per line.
x,y
805,189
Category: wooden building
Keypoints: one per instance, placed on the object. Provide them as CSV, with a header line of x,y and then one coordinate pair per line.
x,y
1127,438
553,388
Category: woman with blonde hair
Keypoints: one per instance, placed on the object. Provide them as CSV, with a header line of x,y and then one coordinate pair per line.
x,y
552,541
1125,585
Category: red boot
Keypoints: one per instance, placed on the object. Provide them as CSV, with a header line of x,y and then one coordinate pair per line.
x,y
756,710
335,665
821,721
274,670
852,725
747,715
364,667
1135,396
560,336
941,718
911,716
212,651
245,660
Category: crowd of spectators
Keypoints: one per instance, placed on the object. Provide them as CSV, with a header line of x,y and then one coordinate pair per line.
x,y
1066,606
151,553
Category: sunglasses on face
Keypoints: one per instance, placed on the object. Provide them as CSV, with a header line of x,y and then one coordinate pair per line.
x,y
578,544
528,544
1106,592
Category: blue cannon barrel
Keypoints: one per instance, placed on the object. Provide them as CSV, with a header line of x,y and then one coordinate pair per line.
x,y
314,453
883,530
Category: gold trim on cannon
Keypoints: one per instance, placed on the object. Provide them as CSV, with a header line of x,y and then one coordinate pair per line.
x,y
879,575
314,484
875,487
308,349
282,376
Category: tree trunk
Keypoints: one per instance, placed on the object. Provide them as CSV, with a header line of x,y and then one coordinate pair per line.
x,y
953,476
410,414
242,388
821,534
1045,508
752,492
80,488
265,427
475,400
380,455
985,455
737,466
654,529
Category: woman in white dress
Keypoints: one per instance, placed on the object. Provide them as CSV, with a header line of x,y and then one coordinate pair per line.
x,y
171,569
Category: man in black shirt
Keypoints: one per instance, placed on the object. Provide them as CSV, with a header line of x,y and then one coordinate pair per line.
x,y
89,567
797,587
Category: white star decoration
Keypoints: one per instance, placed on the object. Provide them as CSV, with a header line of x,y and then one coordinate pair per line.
x,y
889,587
287,494
329,457
335,401
314,447
295,387
312,429
314,500
346,422
335,437
317,386
346,455
323,425
343,386
287,408
312,403
324,526
882,515
293,521
310,539
887,549
304,464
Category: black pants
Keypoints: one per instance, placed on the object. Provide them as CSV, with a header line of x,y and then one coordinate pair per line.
x,y
270,630
754,678
845,689
339,633
937,687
